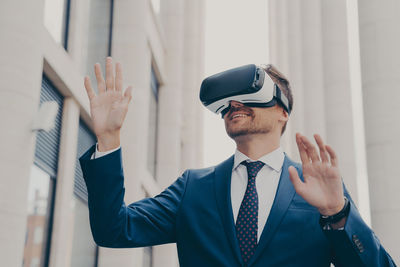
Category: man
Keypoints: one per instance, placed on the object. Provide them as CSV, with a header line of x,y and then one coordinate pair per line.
x,y
291,215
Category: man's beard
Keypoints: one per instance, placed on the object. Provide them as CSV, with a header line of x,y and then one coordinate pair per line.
x,y
248,128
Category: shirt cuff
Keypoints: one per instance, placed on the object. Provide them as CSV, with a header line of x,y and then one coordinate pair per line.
x,y
98,154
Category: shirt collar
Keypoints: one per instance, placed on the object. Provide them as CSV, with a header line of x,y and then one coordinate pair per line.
x,y
273,159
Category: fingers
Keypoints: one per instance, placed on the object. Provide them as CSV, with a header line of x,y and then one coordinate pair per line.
x,y
310,149
89,89
118,77
298,184
302,150
322,150
101,85
332,155
109,74
128,95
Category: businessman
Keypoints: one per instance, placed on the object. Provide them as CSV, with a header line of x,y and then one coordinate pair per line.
x,y
257,208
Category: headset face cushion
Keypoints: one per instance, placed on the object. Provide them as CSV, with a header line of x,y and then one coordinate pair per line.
x,y
269,104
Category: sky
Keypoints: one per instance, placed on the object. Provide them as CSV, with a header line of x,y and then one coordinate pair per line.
x,y
236,34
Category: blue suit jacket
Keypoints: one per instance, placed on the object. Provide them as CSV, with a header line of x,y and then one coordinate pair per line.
x,y
196,213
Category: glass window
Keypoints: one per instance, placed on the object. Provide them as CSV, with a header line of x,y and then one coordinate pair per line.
x,y
100,34
84,250
153,122
41,190
40,199
35,262
86,139
37,235
56,16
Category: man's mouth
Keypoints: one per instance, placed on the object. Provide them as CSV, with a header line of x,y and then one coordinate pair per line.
x,y
238,115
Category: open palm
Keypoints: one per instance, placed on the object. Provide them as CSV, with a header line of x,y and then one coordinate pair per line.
x,y
108,109
322,186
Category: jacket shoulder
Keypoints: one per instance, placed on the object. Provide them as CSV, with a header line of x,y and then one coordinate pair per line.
x,y
289,162
200,173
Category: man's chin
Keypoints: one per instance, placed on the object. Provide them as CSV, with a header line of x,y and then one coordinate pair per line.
x,y
237,133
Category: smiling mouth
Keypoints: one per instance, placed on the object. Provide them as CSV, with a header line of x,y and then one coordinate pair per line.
x,y
238,116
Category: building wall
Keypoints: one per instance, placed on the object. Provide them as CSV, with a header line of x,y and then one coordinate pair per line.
x,y
380,65
338,67
143,39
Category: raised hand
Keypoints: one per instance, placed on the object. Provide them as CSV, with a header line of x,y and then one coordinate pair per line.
x,y
108,109
322,186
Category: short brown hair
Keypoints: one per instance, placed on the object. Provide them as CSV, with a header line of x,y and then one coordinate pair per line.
x,y
283,83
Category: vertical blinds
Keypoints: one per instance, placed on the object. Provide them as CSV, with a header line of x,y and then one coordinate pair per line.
x,y
47,143
86,139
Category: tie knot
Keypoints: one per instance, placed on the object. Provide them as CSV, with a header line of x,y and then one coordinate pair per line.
x,y
253,168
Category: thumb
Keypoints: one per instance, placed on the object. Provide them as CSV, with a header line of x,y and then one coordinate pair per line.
x,y
299,186
128,95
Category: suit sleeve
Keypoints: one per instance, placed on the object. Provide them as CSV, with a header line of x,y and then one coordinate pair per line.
x,y
147,222
357,245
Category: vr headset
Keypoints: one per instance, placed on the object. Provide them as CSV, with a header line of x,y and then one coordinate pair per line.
x,y
246,84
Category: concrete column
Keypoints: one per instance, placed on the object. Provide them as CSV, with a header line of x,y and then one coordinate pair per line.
x,y
380,65
192,76
291,66
170,98
341,85
170,112
318,53
199,68
63,220
21,75
278,56
295,37
130,47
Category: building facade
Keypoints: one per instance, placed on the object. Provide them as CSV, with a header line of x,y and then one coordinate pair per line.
x,y
342,59
49,46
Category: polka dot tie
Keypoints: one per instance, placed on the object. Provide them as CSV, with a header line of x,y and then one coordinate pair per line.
x,y
247,220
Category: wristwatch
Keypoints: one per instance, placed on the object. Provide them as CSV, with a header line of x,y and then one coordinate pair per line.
x,y
326,221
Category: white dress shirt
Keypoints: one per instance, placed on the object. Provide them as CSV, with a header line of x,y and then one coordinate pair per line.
x,y
99,154
267,181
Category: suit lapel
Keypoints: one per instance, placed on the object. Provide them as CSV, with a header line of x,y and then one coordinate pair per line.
x,y
283,197
223,174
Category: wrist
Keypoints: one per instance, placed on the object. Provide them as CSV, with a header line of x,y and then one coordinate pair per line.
x,y
336,220
334,210
108,142
339,224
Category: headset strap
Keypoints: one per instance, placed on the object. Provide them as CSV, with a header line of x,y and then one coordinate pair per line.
x,y
279,95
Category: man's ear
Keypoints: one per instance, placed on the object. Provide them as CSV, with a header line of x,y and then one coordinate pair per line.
x,y
284,116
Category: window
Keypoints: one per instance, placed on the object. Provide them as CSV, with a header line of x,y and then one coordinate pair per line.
x,y
153,123
100,34
86,139
35,262
38,235
40,199
56,19
47,143
41,190
84,249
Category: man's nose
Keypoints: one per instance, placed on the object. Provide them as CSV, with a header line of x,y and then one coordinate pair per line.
x,y
236,104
